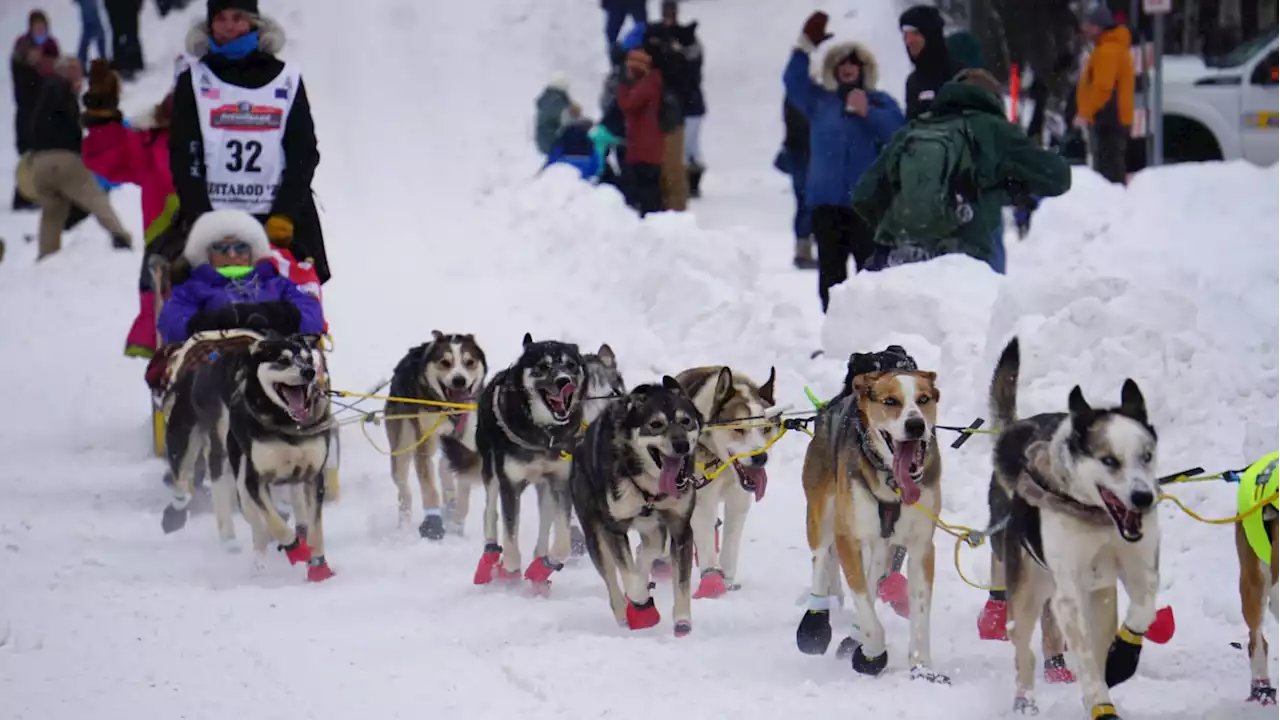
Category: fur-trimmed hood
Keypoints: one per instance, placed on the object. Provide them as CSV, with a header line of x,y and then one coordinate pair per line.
x,y
271,37
840,51
217,225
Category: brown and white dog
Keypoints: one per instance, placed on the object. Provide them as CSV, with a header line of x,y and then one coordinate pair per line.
x,y
1258,574
873,453
447,369
735,409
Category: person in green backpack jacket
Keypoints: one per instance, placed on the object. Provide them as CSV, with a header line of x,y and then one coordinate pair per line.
x,y
939,187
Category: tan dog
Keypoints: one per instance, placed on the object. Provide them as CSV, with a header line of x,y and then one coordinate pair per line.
x,y
1256,541
873,452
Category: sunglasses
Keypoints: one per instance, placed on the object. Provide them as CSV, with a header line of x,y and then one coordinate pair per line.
x,y
232,247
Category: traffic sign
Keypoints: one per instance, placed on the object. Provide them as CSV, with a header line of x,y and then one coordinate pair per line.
x,y
1157,7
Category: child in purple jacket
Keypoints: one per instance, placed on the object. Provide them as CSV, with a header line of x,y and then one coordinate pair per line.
x,y
234,285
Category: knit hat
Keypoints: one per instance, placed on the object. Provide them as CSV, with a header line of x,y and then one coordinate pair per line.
x,y
1101,16
217,6
926,19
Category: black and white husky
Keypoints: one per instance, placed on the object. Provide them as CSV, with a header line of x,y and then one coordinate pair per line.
x,y
634,470
529,419
1081,489
261,411
604,382
447,369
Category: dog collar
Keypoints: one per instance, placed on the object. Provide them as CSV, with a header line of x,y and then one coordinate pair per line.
x,y
1033,488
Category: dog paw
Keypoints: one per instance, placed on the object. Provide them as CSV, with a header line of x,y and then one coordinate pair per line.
x,y
869,666
1023,705
1122,656
488,566
683,627
1105,711
432,527
539,571
318,570
1262,692
893,591
230,545
920,672
711,585
174,519
642,615
577,542
1056,671
846,648
1162,628
993,622
813,636
297,551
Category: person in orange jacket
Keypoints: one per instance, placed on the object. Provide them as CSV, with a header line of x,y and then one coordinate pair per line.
x,y
1104,95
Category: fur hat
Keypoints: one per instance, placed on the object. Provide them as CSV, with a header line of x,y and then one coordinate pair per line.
x,y
218,225
841,52
217,6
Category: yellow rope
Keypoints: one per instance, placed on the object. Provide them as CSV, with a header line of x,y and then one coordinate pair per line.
x,y
726,463
467,407
364,428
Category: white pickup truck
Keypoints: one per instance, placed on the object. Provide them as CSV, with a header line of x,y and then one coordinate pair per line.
x,y
1224,108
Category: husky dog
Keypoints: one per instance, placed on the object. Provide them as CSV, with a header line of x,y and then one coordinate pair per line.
x,y
1082,489
633,470
447,369
530,417
263,412
604,382
873,453
735,408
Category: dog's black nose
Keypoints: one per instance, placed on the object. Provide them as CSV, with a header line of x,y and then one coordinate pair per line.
x,y
563,382
759,460
680,446
458,382
1142,499
915,428
308,374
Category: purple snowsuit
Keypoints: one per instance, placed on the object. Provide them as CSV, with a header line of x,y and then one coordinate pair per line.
x,y
207,290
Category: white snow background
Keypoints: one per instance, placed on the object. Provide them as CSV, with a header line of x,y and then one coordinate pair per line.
x,y
433,220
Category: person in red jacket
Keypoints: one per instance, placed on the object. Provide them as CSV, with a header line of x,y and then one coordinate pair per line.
x,y
639,99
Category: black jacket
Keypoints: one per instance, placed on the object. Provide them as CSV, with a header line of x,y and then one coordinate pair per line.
x,y
934,66
294,199
55,118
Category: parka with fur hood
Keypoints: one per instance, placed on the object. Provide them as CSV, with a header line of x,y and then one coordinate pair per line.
x,y
842,145
294,199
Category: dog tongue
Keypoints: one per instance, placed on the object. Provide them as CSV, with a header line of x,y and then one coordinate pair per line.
x,y
758,477
566,393
904,453
297,399
671,467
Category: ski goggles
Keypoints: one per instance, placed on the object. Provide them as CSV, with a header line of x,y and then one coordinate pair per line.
x,y
230,247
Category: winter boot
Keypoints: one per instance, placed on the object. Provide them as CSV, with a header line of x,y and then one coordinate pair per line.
x,y
695,178
805,258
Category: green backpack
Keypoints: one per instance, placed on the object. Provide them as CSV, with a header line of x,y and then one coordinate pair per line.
x,y
935,188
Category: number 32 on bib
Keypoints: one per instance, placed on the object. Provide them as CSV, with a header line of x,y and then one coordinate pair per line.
x,y
243,134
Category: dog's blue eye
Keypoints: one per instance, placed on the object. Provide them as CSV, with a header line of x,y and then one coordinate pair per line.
x,y
1110,462
923,400
890,401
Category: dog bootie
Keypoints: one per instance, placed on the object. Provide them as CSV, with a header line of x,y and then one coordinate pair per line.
x,y
992,621
813,636
1122,657
641,616
173,520
1057,672
318,570
869,666
489,566
1262,692
432,527
1161,630
711,585
683,627
893,590
297,551
539,573
1106,711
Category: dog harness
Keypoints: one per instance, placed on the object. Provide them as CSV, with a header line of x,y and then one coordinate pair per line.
x,y
1033,491
1257,483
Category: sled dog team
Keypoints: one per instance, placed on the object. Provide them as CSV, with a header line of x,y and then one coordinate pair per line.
x,y
1073,492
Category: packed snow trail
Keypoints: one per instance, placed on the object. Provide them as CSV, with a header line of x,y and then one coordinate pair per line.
x,y
434,221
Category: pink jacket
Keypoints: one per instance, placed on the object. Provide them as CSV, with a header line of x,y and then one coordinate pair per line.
x,y
138,155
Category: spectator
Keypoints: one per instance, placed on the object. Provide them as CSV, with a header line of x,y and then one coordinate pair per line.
x,y
922,27
672,65
611,118
682,40
615,13
1104,95
552,106
574,146
136,154
91,31
849,121
793,159
965,146
57,169
126,47
34,53
640,98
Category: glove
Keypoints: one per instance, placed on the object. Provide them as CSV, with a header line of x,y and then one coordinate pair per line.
x,y
103,95
280,231
278,315
223,318
815,29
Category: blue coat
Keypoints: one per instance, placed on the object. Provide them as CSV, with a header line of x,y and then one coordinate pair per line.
x,y
842,145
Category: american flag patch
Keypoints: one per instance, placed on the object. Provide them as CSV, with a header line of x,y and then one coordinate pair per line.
x,y
211,93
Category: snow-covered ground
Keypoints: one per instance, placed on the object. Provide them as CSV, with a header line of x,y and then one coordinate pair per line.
x,y
434,221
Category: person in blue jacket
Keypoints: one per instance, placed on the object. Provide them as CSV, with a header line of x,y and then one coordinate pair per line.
x,y
850,121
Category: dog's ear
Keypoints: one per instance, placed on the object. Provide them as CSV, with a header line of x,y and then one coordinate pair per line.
x,y
436,336
931,378
673,385
607,357
724,384
766,390
1132,403
1081,412
527,341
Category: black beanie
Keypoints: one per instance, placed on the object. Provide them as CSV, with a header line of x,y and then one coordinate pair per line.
x,y
925,18
217,6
